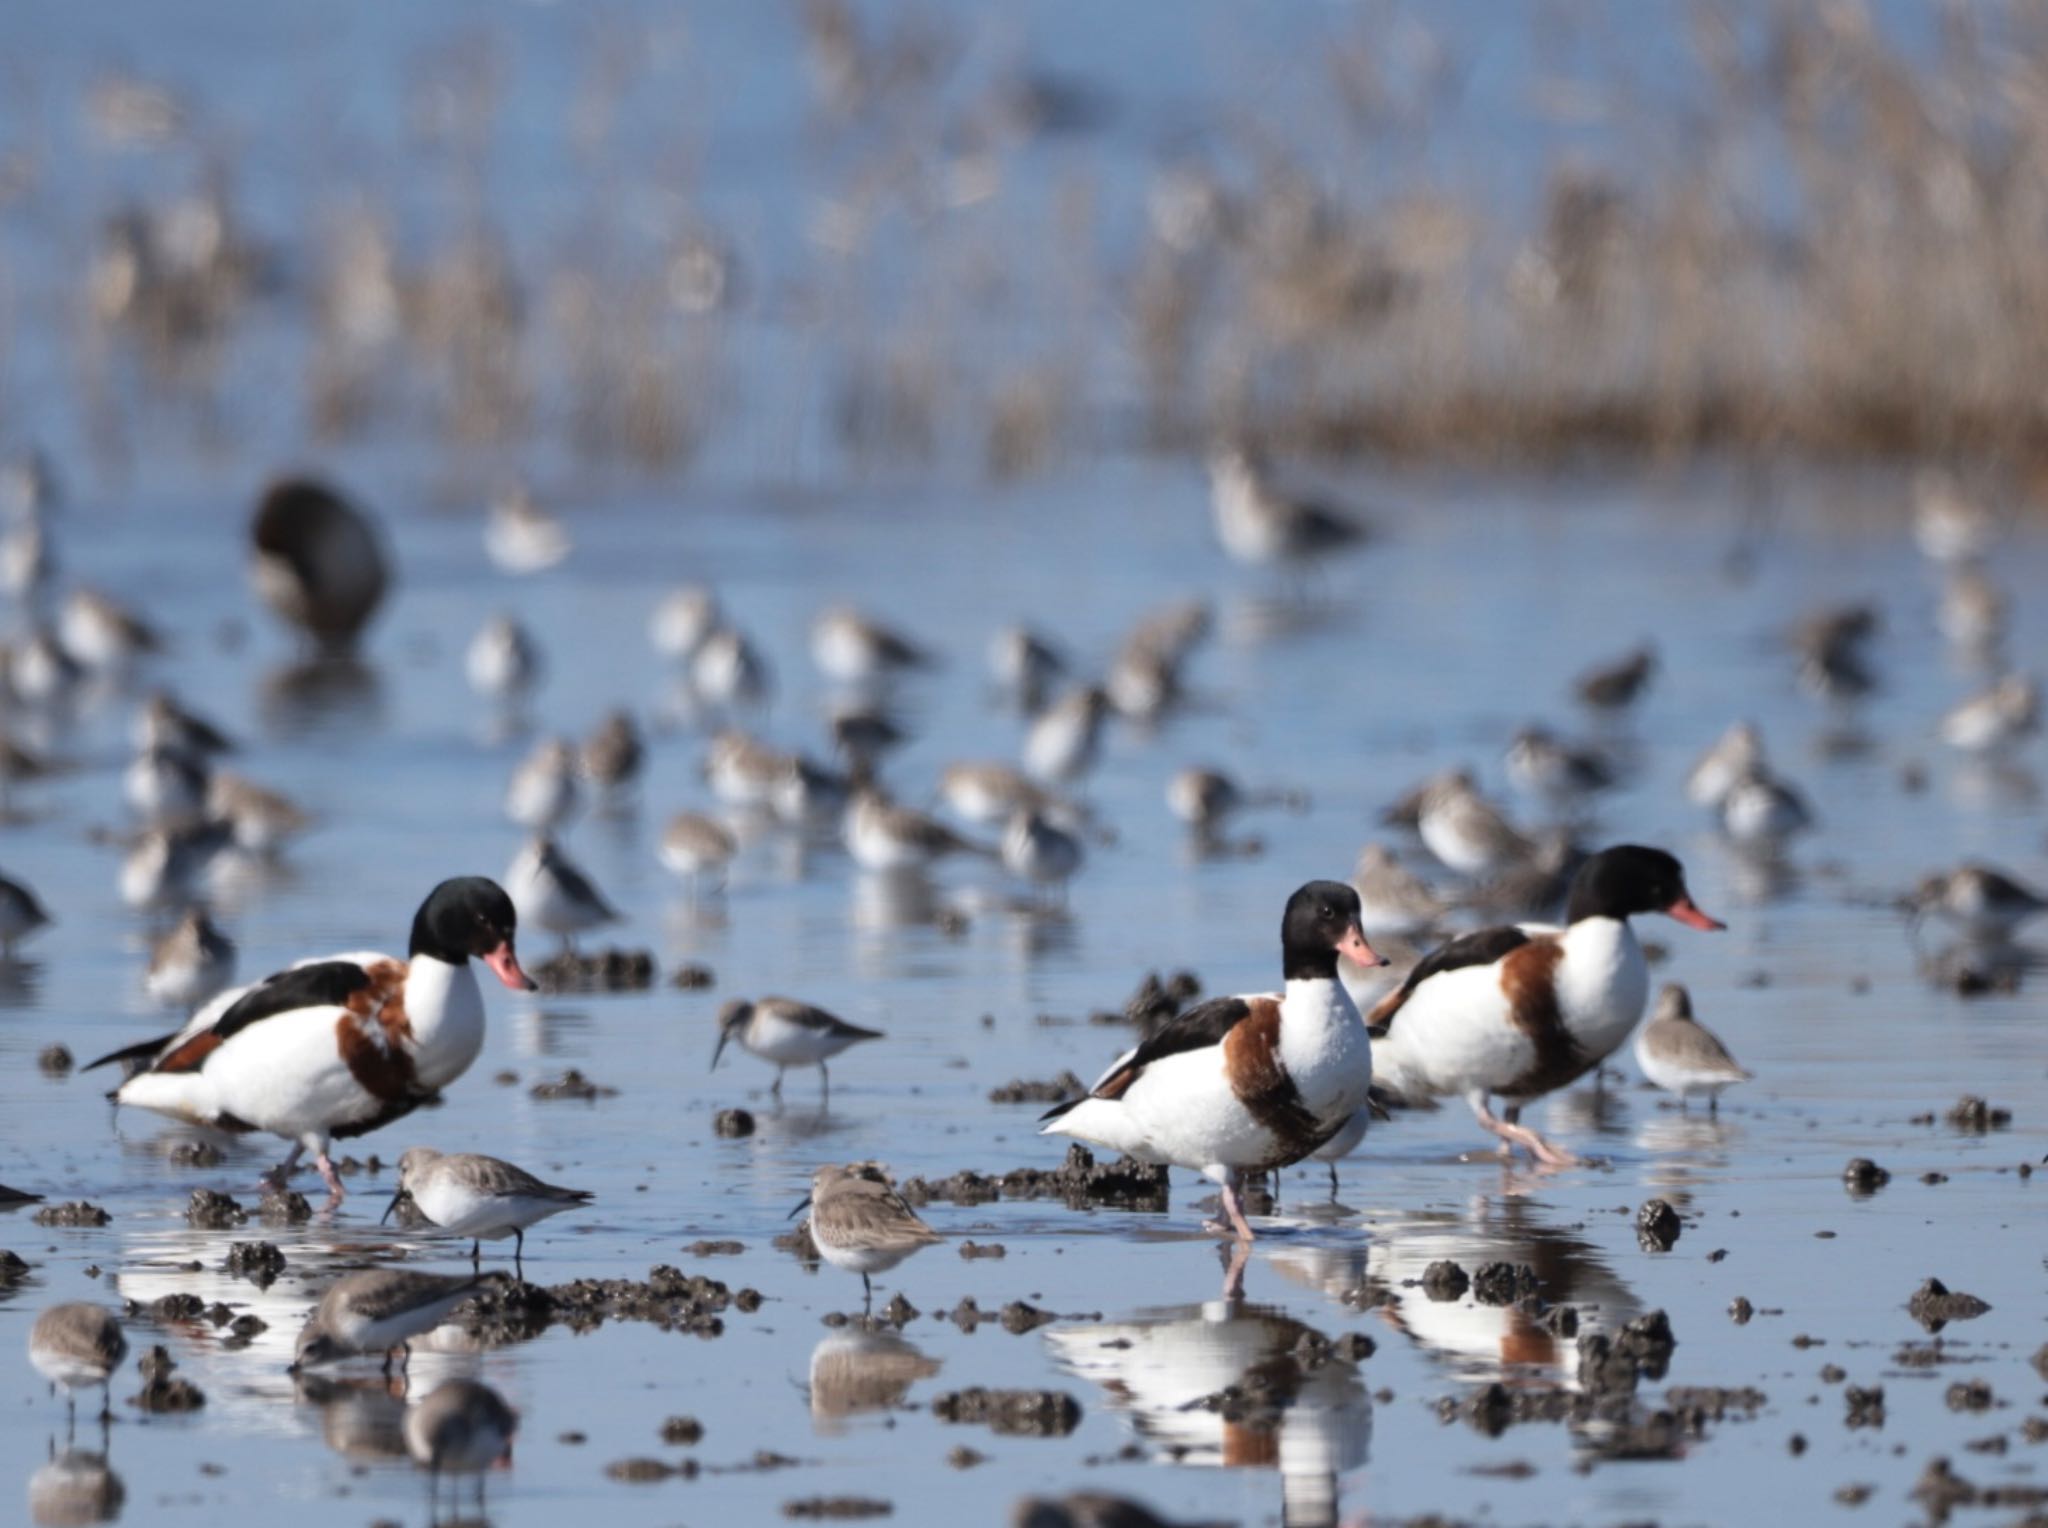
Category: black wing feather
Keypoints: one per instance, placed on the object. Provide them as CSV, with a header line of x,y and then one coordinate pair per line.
x,y
323,984
145,1050
1481,947
1203,1025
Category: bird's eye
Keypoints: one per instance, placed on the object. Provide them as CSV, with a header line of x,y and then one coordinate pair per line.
x,y
1329,912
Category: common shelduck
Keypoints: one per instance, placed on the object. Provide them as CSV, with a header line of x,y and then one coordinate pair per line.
x,y
1251,1083
482,1198
340,1046
1521,1010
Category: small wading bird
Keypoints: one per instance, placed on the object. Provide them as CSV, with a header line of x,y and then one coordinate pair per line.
x,y
75,1345
788,1033
480,1197
1681,1055
860,1223
380,1310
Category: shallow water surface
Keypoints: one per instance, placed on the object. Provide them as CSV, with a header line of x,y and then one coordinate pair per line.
x,y
1469,617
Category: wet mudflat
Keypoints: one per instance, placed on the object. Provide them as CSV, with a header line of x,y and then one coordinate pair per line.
x,y
1787,1310
1360,1373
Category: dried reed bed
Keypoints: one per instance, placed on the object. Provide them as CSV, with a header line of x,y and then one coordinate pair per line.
x,y
1818,237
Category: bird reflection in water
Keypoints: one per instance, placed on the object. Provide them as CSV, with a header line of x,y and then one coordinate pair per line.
x,y
854,1371
1229,1384
361,1419
1517,1338
325,693
75,1487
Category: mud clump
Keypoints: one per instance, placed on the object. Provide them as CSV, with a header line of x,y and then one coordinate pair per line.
x,y
844,1509
1079,1180
1970,1395
599,971
732,1124
1504,1283
2040,1357
682,1432
1972,1114
1940,1490
162,1392
169,1310
194,1154
1933,1305
512,1311
1056,1091
1865,1406
1012,1413
715,1248
693,978
643,1471
55,1061
1444,1281
260,1262
971,1250
213,1211
572,1084
1698,1404
1155,1002
1740,1310
76,1213
1863,1177
1657,1226
284,1207
1641,1349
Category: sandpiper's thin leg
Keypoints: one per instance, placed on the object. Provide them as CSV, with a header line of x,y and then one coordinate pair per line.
x,y
824,1084
867,1291
476,1256
1713,1103
1333,1180
1514,1134
775,1087
519,1253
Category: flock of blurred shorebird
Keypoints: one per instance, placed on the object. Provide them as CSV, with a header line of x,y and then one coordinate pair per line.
x,y
1505,1011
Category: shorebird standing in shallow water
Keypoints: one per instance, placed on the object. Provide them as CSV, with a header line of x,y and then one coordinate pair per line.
x,y
77,1344
788,1033
480,1197
860,1223
20,915
1525,1009
694,846
1681,1055
463,1428
191,963
380,1310
1245,1084
1981,902
1260,525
